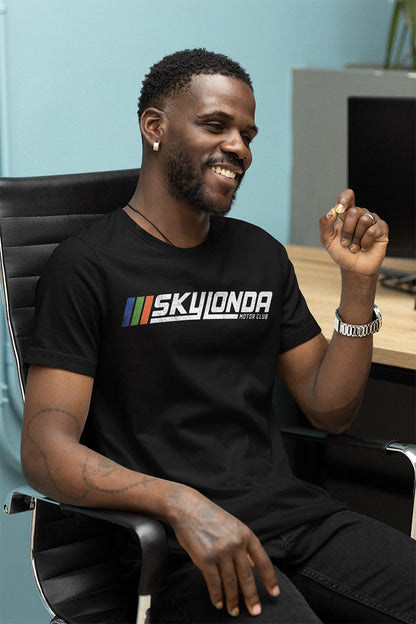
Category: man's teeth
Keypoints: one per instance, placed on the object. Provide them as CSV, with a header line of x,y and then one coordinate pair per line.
x,y
225,172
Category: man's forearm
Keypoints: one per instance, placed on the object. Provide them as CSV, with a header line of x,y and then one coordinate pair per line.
x,y
71,473
341,379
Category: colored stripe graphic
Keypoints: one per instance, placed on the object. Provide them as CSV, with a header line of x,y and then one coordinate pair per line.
x,y
146,310
137,311
128,311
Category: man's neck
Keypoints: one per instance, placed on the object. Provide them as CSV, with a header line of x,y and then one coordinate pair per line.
x,y
176,221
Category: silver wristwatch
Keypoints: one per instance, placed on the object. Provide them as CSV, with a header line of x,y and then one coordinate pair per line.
x,y
358,331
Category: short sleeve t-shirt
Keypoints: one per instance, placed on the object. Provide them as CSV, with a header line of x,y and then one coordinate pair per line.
x,y
183,346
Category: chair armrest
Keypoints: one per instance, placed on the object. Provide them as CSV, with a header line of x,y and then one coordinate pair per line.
x,y
151,536
386,446
305,433
22,499
150,533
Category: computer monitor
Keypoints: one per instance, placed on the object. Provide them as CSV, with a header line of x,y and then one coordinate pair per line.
x,y
382,164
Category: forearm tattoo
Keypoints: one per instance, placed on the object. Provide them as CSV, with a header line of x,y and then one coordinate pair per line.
x,y
95,469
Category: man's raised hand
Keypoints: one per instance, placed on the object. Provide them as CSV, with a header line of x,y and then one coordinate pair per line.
x,y
354,238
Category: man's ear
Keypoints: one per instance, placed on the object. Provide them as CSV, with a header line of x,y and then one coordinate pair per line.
x,y
152,125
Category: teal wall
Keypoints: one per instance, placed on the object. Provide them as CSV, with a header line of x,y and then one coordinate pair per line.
x,y
70,76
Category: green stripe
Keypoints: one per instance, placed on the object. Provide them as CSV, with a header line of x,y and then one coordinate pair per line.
x,y
137,311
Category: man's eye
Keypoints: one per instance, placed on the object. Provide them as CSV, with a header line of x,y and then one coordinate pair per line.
x,y
247,138
215,126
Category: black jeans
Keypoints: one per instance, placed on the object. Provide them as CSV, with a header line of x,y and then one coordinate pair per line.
x,y
343,568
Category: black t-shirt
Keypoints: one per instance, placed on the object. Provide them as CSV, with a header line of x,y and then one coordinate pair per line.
x,y
183,346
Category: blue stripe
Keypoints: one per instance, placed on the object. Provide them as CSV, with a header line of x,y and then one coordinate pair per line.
x,y
128,311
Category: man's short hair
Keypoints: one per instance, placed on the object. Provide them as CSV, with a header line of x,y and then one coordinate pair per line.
x,y
175,71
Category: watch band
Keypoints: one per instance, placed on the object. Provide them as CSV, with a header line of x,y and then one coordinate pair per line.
x,y
358,331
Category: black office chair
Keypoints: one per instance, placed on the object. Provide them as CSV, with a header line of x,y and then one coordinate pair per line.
x,y
78,567
76,564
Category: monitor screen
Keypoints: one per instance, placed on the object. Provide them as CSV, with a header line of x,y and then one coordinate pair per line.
x,y
382,164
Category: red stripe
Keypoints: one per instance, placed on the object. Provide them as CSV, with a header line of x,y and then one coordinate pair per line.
x,y
146,310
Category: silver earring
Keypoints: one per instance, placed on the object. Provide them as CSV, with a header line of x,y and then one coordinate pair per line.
x,y
156,146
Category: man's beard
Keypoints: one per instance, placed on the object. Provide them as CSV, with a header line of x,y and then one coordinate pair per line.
x,y
186,183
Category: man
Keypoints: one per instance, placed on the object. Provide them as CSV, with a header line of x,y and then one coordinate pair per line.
x,y
159,333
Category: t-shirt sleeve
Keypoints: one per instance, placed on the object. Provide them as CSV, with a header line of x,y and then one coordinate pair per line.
x,y
297,324
69,310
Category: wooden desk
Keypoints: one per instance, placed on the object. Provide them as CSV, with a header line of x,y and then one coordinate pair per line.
x,y
320,281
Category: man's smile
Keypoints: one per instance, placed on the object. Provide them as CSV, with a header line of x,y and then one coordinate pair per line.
x,y
224,172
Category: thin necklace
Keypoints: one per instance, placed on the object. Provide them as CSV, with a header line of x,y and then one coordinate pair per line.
x,y
151,223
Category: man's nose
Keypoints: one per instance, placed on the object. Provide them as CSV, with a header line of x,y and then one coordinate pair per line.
x,y
235,144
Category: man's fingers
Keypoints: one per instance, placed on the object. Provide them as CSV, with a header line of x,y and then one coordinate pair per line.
x,y
214,584
225,583
359,229
230,577
230,584
248,584
379,232
264,566
347,231
364,234
345,200
353,225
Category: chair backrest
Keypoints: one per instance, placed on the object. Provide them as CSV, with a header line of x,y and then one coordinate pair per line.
x,y
36,214
77,576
